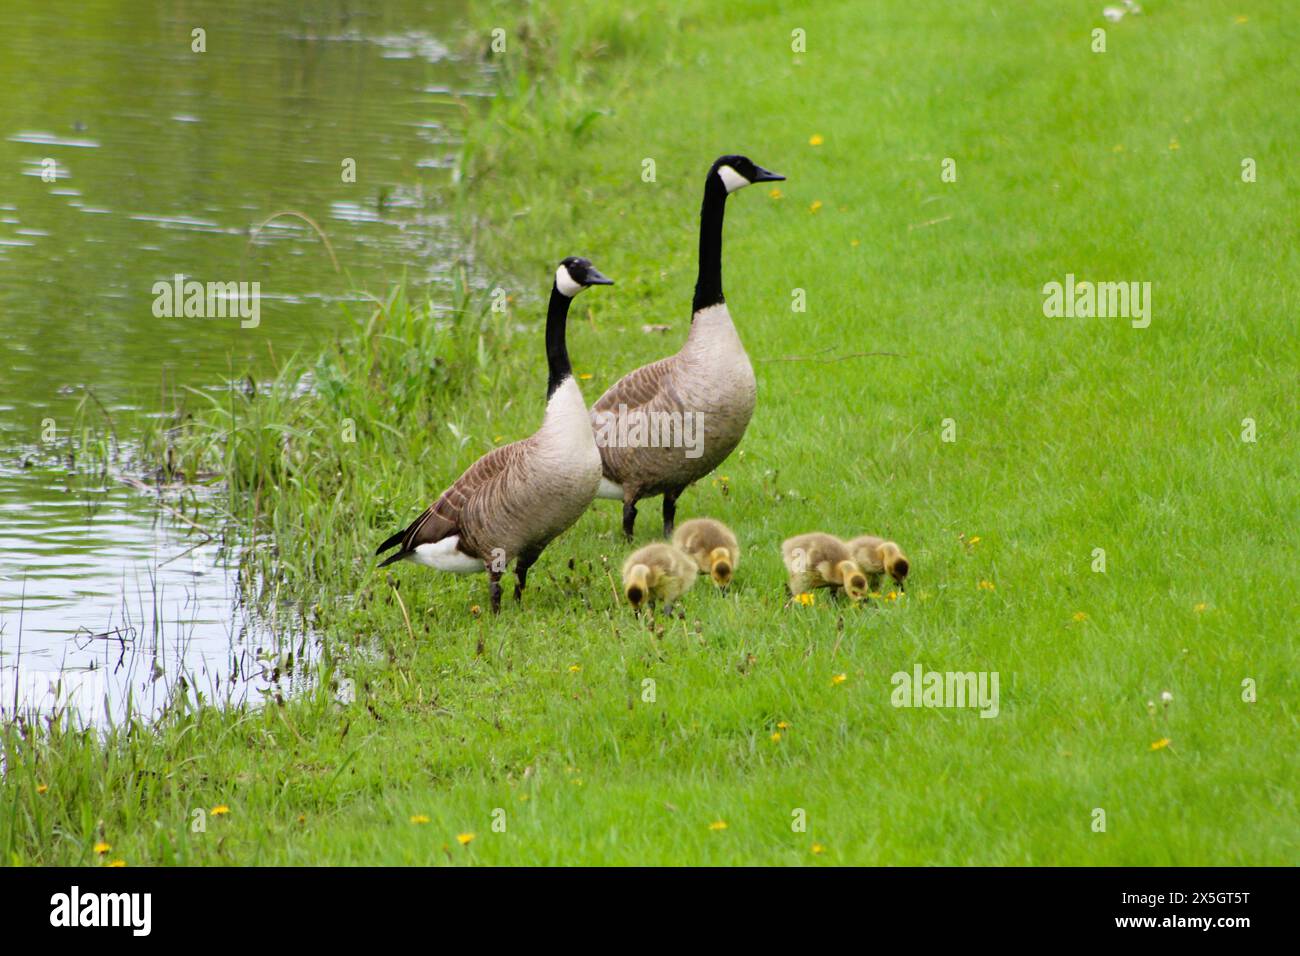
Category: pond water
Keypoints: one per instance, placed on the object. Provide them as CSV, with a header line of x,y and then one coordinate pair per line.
x,y
129,157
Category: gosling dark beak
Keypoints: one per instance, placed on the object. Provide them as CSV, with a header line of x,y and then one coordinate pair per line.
x,y
595,277
767,176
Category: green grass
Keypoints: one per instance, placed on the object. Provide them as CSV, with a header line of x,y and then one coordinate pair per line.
x,y
1071,435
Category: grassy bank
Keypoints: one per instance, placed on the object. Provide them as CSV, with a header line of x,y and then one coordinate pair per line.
x,y
1071,435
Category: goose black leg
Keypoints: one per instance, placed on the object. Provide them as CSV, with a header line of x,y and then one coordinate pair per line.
x,y
526,560
494,590
670,510
629,518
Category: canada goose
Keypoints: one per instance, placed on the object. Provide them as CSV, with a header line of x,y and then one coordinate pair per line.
x,y
877,556
516,499
711,545
657,572
817,560
705,392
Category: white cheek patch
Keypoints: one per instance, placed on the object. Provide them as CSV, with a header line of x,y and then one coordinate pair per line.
x,y
565,283
732,179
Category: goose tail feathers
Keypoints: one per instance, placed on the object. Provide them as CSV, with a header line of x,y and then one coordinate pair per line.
x,y
391,542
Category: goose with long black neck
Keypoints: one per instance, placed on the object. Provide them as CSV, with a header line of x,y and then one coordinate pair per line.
x,y
703,396
515,500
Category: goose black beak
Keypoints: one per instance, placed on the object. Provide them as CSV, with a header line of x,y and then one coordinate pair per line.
x,y
596,277
767,176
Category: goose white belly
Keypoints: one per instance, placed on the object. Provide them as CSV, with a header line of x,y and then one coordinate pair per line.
x,y
609,490
444,556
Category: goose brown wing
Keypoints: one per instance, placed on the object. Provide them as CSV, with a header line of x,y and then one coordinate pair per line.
x,y
444,517
637,388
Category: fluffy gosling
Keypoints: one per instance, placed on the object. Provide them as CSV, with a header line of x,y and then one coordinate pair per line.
x,y
657,572
817,560
876,556
711,545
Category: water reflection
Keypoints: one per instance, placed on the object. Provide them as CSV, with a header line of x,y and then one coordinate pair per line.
x,y
138,160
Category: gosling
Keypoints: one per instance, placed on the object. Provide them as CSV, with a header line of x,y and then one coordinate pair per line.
x,y
657,572
817,560
711,545
876,556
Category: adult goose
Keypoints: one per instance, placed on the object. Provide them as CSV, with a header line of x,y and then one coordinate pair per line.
x,y
511,503
706,391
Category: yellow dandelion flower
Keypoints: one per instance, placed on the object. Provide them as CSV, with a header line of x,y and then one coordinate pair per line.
x,y
987,586
815,205
775,193
891,596
584,375
419,818
807,598
220,810
718,825
101,848
498,437
839,679
1241,19
776,736
818,849
574,668
475,610
1117,148
1161,744
1173,143
41,788
1201,608
116,863
464,839
783,724
816,139
975,540
855,243
1080,616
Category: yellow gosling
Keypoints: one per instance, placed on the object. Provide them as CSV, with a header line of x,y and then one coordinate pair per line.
x,y
818,560
877,556
657,572
712,546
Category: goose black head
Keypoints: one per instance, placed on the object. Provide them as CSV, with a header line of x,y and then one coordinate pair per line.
x,y
737,172
576,273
